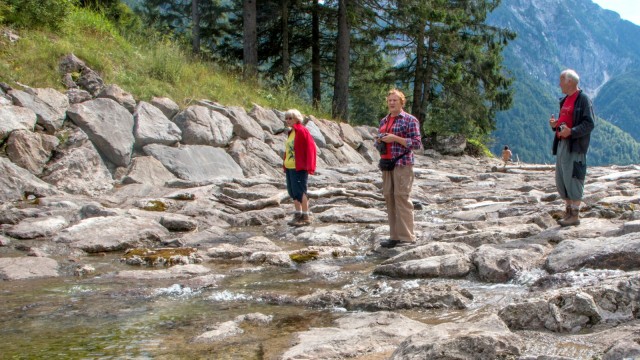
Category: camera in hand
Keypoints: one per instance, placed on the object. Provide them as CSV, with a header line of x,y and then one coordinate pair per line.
x,y
381,146
562,126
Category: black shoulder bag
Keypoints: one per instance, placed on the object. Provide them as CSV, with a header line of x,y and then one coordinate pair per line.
x,y
390,164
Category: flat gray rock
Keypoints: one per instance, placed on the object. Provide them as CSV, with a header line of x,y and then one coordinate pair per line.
x,y
22,268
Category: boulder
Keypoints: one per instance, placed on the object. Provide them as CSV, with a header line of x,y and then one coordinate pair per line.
x,y
268,120
153,127
49,105
203,126
17,183
487,338
15,118
114,233
23,268
114,92
357,335
31,150
168,107
109,127
70,168
195,162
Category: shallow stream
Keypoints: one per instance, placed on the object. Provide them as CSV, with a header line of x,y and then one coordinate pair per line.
x,y
101,316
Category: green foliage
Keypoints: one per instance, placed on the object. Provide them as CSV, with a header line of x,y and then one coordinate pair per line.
x,y
610,145
144,65
35,14
165,62
5,9
477,148
620,107
453,63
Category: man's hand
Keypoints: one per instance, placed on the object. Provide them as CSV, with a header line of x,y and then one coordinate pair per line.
x,y
553,122
387,138
565,133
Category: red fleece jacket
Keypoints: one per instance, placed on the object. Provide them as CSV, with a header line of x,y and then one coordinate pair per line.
x,y
305,149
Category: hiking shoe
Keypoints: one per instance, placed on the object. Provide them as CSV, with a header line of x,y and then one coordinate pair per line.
x,y
295,219
303,220
572,220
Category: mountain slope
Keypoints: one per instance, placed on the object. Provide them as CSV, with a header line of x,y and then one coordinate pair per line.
x,y
558,34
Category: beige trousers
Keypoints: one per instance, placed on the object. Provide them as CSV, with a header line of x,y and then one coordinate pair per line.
x,y
396,187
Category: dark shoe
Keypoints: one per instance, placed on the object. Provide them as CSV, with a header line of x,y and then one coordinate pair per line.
x,y
390,244
295,219
303,220
572,220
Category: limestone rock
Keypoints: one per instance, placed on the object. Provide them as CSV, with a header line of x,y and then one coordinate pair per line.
x,y
487,338
153,127
22,268
114,92
50,106
113,233
108,125
31,150
268,120
15,118
195,162
17,183
168,107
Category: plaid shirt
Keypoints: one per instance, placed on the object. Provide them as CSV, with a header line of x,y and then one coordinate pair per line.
x,y
406,126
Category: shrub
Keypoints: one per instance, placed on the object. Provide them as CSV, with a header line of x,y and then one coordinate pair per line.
x,y
48,14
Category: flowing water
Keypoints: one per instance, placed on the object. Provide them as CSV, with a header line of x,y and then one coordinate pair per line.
x,y
101,316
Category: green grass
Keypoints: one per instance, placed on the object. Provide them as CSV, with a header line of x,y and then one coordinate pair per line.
x,y
146,66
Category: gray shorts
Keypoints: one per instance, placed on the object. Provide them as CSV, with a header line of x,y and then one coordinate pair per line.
x,y
570,172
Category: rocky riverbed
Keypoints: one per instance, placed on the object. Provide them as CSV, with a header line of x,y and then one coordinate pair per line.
x,y
132,229
491,276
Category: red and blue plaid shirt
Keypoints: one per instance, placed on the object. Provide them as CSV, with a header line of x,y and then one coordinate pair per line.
x,y
405,126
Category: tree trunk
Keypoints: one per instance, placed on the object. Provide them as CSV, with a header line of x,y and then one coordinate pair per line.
x,y
250,38
426,83
418,84
340,105
195,31
315,55
285,37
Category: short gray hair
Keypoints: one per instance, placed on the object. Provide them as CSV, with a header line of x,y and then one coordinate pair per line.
x,y
571,74
294,113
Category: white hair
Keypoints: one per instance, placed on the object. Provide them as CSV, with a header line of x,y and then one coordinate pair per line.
x,y
294,113
571,74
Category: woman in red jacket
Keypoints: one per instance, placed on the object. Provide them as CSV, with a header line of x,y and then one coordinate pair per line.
x,y
299,162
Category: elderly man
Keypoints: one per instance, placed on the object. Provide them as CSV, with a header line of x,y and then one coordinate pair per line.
x,y
570,144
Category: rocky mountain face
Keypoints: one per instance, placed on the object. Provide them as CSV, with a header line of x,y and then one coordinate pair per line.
x,y
557,34
138,229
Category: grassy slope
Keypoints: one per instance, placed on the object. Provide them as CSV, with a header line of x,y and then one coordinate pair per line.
x,y
144,67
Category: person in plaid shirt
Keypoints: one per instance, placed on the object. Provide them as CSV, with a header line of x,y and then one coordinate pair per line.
x,y
400,133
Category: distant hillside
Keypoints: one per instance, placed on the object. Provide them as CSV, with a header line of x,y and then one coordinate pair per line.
x,y
578,34
617,102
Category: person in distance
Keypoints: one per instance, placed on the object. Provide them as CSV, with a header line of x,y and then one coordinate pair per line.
x,y
398,136
572,133
506,155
